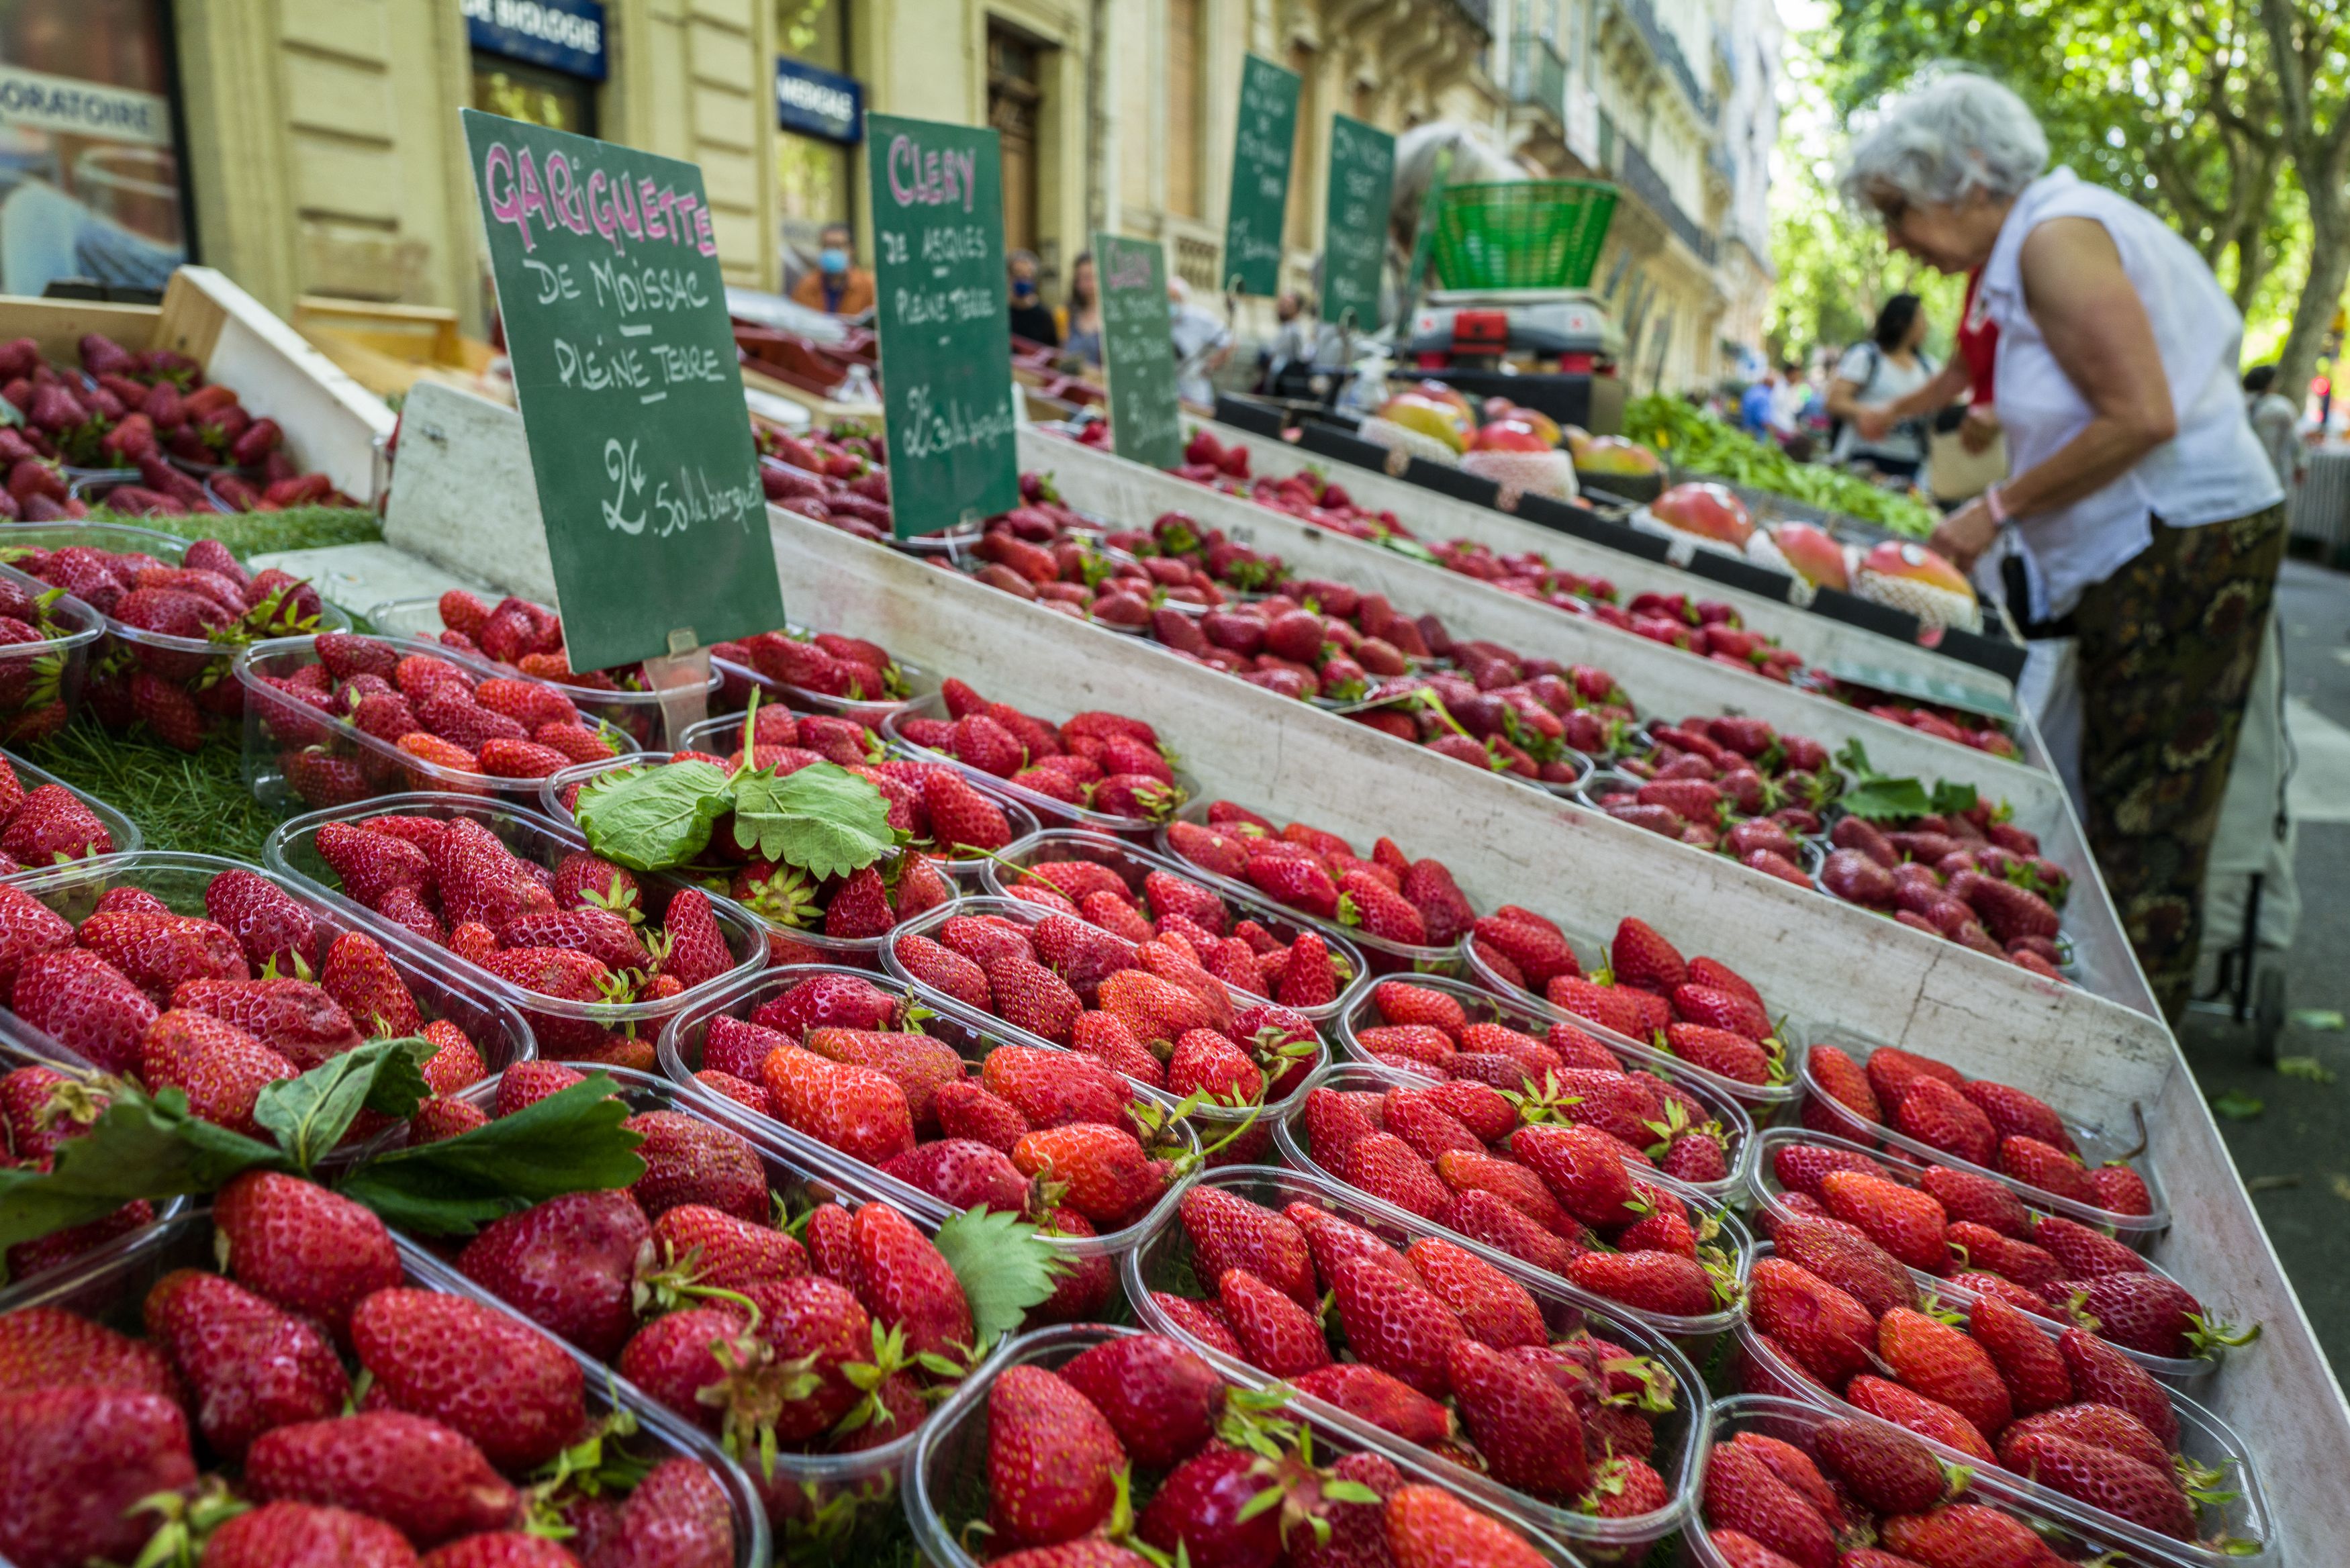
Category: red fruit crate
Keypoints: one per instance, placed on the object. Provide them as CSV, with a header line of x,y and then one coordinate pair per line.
x,y
1163,1262
947,1490
1045,808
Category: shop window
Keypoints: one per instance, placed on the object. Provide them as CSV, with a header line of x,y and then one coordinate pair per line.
x,y
1185,48
90,180
1014,97
814,181
533,94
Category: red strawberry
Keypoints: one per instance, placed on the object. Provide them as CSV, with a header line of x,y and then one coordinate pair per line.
x,y
302,1535
1110,1178
308,1250
1431,1528
1932,1358
249,1366
501,1383
1846,1258
1743,1494
1397,1326
2014,1113
1158,1397
1518,1185
424,1478
2121,1190
1052,1459
2086,1254
1537,948
2099,1426
723,1250
1486,1217
160,952
1493,1308
1203,1321
2103,1375
86,1004
698,952
264,919
1727,1010
567,1264
1228,1231
1524,1424
1825,1331
1274,1333
1582,1168
1942,1118
1965,1535
1641,958
76,1462
1927,1417
2028,1360
2141,1493
1889,1471
1981,1248
359,975
904,1280
1842,1080
1966,1196
220,1067
1384,1167
857,1110
1905,1221
1612,1007
1889,1072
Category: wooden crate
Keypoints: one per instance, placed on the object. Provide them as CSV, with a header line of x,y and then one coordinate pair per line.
x,y
331,422
388,349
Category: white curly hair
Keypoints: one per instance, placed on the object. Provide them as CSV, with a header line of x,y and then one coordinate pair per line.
x,y
1935,143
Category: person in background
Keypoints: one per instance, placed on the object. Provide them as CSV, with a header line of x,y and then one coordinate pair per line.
x,y
2278,424
1788,398
1030,318
1202,344
1972,373
1755,405
837,286
1889,365
2148,519
1080,319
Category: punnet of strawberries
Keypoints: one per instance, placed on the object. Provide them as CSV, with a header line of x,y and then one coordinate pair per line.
x,y
45,825
812,669
945,1109
152,410
168,670
1305,494
362,716
839,476
1731,784
1988,1126
1397,907
1135,1445
310,1398
1110,764
1530,718
753,1302
1941,723
1789,1486
1835,1313
564,925
1424,1338
1147,1010
1246,943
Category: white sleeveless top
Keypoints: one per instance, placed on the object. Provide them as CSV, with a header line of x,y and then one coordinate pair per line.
x,y
2213,469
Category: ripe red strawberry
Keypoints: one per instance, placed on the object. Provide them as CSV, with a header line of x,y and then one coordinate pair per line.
x,y
1518,1185
249,1366
267,923
1536,947
1804,1167
1212,851
220,1067
1966,1196
1980,1248
158,953
48,1346
2028,1360
527,1083
2103,1375
691,1160
359,975
2116,1483
1654,1282
422,1477
2045,1167
1965,1535
1275,1333
76,1461
501,1384
698,952
1380,911
1942,1118
1905,1221
1889,1072
1398,1328
1384,1167
86,1004
1493,1309
2084,1253
1722,1010
1403,1002
919,1065
302,1535
567,1264
1299,883
2014,1113
1582,1168
1486,1217
678,1516
167,710
1203,1321
1889,1471
2148,1313
1052,1088
1932,1358
2099,1426
1429,1528
2120,1191
1743,1493
1610,1006
1826,1331
967,1111
1927,1417
1228,1231
1720,1050
674,1357
1846,1258
1158,1396
1841,1079
903,1280
856,1110
1641,958
1110,1178
1308,978
1524,1424
308,1250
723,1250
1052,1459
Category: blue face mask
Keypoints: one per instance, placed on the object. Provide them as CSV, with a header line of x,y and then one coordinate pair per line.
x,y
832,258
1023,289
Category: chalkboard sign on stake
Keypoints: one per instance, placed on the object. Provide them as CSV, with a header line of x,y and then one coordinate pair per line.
x,y
1260,195
626,376
1355,224
945,323
1138,350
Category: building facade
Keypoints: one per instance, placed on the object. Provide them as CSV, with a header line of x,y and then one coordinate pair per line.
x,y
312,147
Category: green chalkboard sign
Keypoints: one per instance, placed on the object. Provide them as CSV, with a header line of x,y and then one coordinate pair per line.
x,y
945,322
1355,227
625,370
1145,420
1261,149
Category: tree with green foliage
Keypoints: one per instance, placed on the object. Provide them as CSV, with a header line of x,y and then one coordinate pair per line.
x,y
2308,42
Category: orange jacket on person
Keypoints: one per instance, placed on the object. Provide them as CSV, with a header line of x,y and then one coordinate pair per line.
x,y
855,296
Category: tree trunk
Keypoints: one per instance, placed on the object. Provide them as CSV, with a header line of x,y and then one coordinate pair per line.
x,y
2252,264
2313,313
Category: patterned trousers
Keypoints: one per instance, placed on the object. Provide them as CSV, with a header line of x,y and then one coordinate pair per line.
x,y
2167,649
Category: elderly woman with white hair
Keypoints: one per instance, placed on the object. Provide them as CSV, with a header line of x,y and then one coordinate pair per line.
x,y
2146,524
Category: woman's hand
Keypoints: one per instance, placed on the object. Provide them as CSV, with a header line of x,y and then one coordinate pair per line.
x,y
1966,533
1980,428
1872,422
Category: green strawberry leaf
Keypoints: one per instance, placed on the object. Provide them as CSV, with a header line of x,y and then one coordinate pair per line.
x,y
1006,1266
309,1115
571,1141
1411,549
822,819
653,818
138,1148
1952,799
1881,799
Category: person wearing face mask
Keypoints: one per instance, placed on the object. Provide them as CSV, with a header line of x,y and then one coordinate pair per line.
x,y
837,286
1030,318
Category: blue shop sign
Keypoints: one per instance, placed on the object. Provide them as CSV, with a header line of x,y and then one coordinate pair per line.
x,y
564,35
818,102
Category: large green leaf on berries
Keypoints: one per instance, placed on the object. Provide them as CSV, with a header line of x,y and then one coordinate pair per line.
x,y
138,1148
651,819
571,1141
309,1115
822,819
1882,798
1005,1267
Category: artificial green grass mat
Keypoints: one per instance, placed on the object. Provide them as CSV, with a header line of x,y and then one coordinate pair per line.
x,y
195,802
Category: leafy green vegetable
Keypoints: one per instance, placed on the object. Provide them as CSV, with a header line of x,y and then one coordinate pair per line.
x,y
1696,440
1005,1267
822,819
649,819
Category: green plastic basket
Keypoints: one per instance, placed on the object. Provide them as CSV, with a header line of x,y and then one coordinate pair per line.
x,y
1524,234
